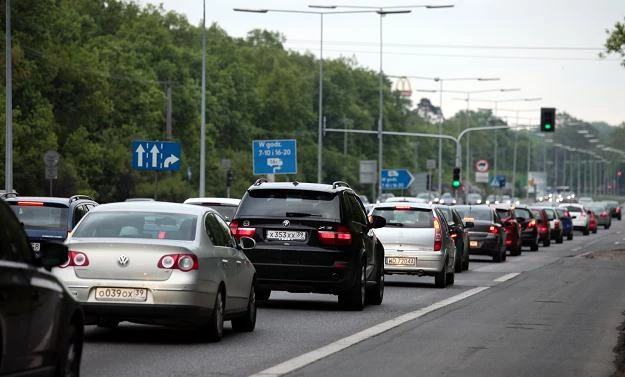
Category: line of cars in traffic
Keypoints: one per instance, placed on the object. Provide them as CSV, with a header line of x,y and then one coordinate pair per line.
x,y
208,260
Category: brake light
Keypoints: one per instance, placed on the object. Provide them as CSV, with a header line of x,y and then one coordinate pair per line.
x,y
76,259
556,224
508,241
182,262
618,209
493,229
566,213
531,224
454,235
438,235
241,232
604,214
30,204
402,207
342,236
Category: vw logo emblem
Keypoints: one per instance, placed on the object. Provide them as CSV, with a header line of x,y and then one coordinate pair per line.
x,y
123,260
246,223
286,223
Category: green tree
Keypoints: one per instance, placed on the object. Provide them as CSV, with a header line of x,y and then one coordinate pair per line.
x,y
615,44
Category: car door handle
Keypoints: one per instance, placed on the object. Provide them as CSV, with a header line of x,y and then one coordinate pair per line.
x,y
239,262
224,261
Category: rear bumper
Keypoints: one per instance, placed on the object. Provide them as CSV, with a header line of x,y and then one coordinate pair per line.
x,y
528,238
428,263
298,278
175,315
485,245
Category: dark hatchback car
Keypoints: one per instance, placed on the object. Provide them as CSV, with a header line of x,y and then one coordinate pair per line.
x,y
542,222
312,238
529,227
459,231
566,221
41,325
488,236
615,209
48,219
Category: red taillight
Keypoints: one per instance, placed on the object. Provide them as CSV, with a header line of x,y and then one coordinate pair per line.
x,y
556,224
339,264
566,213
438,235
182,262
241,232
618,209
493,229
543,229
342,236
531,224
76,259
402,207
454,235
30,204
508,241
604,214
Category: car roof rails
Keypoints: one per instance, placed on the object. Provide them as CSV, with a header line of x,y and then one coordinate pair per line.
x,y
77,197
260,181
340,184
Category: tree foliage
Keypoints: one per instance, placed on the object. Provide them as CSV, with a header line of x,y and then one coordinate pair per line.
x,y
616,41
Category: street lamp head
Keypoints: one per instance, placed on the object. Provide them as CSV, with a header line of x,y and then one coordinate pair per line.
x,y
439,6
322,6
251,10
488,79
510,90
383,12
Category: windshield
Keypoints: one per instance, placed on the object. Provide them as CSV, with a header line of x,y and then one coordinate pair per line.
x,y
407,218
155,225
45,217
290,203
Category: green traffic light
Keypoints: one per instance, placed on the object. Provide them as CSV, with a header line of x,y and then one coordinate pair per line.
x,y
456,184
547,126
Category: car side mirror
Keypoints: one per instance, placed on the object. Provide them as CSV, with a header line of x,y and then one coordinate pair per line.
x,y
247,243
377,221
52,254
469,224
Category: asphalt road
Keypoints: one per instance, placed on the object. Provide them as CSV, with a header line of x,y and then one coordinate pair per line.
x,y
554,312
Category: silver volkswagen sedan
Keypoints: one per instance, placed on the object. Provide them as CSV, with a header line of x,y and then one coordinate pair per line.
x,y
416,241
160,263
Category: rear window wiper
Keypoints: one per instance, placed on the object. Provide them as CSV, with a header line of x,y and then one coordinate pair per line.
x,y
301,214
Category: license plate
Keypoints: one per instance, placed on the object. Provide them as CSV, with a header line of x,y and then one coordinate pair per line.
x,y
36,246
121,294
473,244
286,235
401,261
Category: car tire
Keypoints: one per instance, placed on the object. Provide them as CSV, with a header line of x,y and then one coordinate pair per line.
x,y
69,362
354,298
458,263
262,294
594,231
560,238
214,329
247,323
497,256
606,226
451,277
586,231
504,255
516,251
465,263
547,242
440,278
569,237
534,245
375,294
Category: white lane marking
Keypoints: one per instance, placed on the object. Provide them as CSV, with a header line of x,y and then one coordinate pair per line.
x,y
576,249
507,277
320,353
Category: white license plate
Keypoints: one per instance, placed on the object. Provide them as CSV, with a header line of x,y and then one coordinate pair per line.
x,y
401,261
473,244
286,235
121,294
36,246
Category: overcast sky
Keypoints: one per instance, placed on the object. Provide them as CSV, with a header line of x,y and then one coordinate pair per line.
x,y
547,48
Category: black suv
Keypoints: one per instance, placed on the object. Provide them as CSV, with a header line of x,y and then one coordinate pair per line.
x,y
529,227
49,218
312,238
41,325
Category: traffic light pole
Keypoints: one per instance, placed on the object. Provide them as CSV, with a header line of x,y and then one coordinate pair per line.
x,y
458,162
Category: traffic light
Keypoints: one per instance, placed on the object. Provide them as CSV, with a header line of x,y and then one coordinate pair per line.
x,y
547,119
456,182
229,178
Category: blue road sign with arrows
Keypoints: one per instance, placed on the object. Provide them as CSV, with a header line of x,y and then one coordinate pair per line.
x,y
155,155
275,156
395,179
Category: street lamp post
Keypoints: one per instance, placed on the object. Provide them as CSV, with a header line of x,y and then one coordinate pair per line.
x,y
440,121
320,105
203,108
8,162
383,11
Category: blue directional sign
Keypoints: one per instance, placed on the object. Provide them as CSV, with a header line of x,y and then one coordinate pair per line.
x,y
275,156
155,155
396,179
498,181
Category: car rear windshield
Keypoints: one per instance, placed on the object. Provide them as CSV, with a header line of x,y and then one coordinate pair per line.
x,y
225,210
573,209
522,212
37,215
476,213
538,214
406,217
290,203
128,224
504,213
